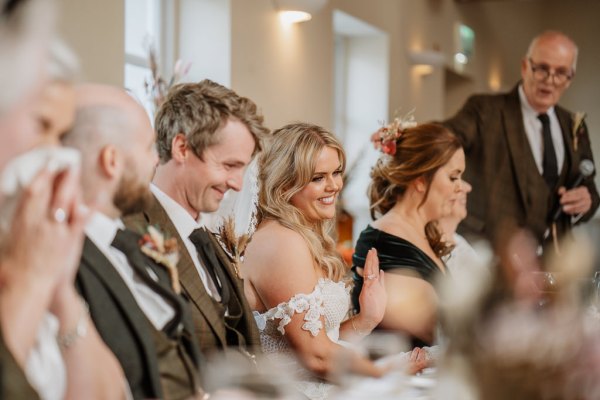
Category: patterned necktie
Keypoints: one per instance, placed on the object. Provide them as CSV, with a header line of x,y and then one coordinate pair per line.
x,y
549,164
209,260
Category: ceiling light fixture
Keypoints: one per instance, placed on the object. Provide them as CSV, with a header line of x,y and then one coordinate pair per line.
x,y
294,11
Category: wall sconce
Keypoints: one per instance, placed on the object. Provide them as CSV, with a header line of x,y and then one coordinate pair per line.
x,y
293,11
424,61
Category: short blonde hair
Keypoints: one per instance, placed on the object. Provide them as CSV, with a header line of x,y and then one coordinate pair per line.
x,y
198,110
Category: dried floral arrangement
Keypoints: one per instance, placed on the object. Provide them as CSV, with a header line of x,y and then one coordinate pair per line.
x,y
234,245
158,87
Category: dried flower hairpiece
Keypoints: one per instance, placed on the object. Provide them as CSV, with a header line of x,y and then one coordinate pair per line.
x,y
386,137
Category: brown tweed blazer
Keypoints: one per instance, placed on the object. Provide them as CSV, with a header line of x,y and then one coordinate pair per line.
x,y
209,325
508,190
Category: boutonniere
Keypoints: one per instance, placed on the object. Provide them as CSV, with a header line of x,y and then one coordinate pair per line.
x,y
578,118
163,251
233,245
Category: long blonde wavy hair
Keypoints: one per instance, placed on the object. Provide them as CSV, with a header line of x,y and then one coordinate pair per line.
x,y
285,168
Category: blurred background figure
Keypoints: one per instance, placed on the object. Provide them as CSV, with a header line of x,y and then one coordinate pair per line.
x,y
416,182
463,253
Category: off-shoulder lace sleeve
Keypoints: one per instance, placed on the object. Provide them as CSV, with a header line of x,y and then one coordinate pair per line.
x,y
311,304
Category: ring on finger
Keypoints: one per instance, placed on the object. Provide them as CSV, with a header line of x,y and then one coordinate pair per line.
x,y
371,276
59,215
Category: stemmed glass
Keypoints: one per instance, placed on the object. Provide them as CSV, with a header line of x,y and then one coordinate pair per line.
x,y
547,284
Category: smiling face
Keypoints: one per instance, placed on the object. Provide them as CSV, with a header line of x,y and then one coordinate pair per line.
x,y
317,199
221,168
556,54
445,187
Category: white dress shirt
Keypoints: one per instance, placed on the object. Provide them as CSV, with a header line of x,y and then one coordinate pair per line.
x,y
533,129
102,230
185,225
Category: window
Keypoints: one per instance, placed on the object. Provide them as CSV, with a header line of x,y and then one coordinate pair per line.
x,y
148,25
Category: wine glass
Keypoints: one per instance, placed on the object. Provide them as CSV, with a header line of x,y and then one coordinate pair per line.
x,y
547,284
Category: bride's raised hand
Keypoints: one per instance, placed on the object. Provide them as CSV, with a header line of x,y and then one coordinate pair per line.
x,y
373,296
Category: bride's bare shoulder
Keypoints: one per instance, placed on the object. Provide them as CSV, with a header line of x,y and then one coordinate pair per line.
x,y
272,233
274,244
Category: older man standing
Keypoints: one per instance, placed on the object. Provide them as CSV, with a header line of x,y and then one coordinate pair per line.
x,y
207,135
524,150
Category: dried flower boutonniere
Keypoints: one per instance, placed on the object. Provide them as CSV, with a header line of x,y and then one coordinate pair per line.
x,y
385,138
233,245
578,118
163,251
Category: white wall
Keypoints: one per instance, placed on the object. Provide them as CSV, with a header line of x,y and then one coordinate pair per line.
x,y
204,39
95,31
364,76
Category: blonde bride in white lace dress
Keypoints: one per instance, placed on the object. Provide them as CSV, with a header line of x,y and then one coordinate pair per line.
x,y
292,275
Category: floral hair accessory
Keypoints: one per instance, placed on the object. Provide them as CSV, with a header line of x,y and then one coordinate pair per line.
x,y
164,251
386,137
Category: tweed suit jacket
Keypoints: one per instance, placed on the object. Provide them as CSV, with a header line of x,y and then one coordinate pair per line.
x,y
508,190
123,325
210,327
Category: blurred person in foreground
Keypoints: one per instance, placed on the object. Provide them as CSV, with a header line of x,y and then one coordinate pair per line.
x,y
521,332
524,151
293,277
414,183
129,280
41,207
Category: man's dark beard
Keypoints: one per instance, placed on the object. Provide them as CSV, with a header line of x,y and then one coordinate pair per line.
x,y
132,196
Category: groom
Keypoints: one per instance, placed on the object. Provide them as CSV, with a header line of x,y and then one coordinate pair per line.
x,y
206,136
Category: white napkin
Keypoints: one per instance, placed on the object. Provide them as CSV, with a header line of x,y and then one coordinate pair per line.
x,y
22,169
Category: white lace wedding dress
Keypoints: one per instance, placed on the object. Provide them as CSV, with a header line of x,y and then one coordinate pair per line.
x,y
329,299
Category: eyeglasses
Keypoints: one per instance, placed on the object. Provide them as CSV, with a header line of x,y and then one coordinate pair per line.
x,y
541,72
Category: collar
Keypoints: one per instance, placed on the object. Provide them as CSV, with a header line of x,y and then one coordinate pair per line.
x,y
526,107
183,221
102,230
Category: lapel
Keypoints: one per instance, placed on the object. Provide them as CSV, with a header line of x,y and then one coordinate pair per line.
x,y
162,286
571,163
251,329
518,145
101,267
188,275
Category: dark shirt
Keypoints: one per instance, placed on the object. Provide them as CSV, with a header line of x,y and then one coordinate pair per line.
x,y
394,253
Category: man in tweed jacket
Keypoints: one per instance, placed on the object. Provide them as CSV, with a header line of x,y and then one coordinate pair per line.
x,y
503,141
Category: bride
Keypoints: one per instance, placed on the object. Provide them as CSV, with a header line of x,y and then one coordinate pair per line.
x,y
293,277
